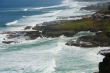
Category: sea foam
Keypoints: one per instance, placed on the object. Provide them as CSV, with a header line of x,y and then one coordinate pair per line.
x,y
12,23
71,9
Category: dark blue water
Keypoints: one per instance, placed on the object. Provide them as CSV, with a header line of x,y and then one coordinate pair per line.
x,y
27,3
11,10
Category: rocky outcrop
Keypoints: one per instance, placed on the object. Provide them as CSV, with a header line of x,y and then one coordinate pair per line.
x,y
84,41
27,27
7,42
50,31
33,34
99,6
104,66
99,39
56,33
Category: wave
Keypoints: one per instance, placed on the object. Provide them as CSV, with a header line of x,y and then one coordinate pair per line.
x,y
63,4
51,15
55,6
71,9
35,19
12,23
25,9
32,8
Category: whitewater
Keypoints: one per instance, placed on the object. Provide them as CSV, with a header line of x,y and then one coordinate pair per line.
x,y
51,13
48,55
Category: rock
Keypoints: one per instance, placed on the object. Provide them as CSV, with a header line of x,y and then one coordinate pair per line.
x,y
109,7
13,35
81,44
7,42
105,52
72,43
27,27
84,41
108,34
104,66
57,33
98,6
100,39
32,34
96,72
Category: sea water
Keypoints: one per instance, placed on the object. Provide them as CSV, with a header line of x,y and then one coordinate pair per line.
x,y
19,13
43,55
48,55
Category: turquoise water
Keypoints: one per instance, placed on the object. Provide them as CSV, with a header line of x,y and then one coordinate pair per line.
x,y
43,55
47,55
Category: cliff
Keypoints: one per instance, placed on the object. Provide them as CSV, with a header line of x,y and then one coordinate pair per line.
x,y
104,66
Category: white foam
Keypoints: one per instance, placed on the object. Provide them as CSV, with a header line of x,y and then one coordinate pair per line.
x,y
64,3
29,60
25,9
39,8
12,23
73,9
93,56
37,19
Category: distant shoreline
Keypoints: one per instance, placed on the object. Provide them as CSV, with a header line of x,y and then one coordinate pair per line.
x,y
57,28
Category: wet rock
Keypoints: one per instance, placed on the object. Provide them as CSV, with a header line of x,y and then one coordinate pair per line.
x,y
98,6
84,41
100,39
96,72
27,27
56,33
32,34
7,42
109,7
104,66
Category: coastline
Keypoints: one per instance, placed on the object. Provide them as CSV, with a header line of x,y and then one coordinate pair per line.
x,y
62,39
68,28
62,27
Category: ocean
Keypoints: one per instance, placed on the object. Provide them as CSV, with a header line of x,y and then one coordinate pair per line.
x,y
43,55
16,14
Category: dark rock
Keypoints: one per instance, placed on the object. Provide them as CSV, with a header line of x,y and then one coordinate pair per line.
x,y
108,34
27,27
57,33
84,41
100,39
81,44
96,72
104,66
7,42
14,35
105,52
98,6
109,7
32,34
38,27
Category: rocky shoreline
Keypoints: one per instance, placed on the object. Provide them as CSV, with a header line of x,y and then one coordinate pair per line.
x,y
104,66
98,23
99,39
68,28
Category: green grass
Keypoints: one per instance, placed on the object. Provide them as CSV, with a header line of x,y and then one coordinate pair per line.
x,y
84,23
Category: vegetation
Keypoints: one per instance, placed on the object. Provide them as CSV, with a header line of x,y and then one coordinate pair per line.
x,y
84,23
102,23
